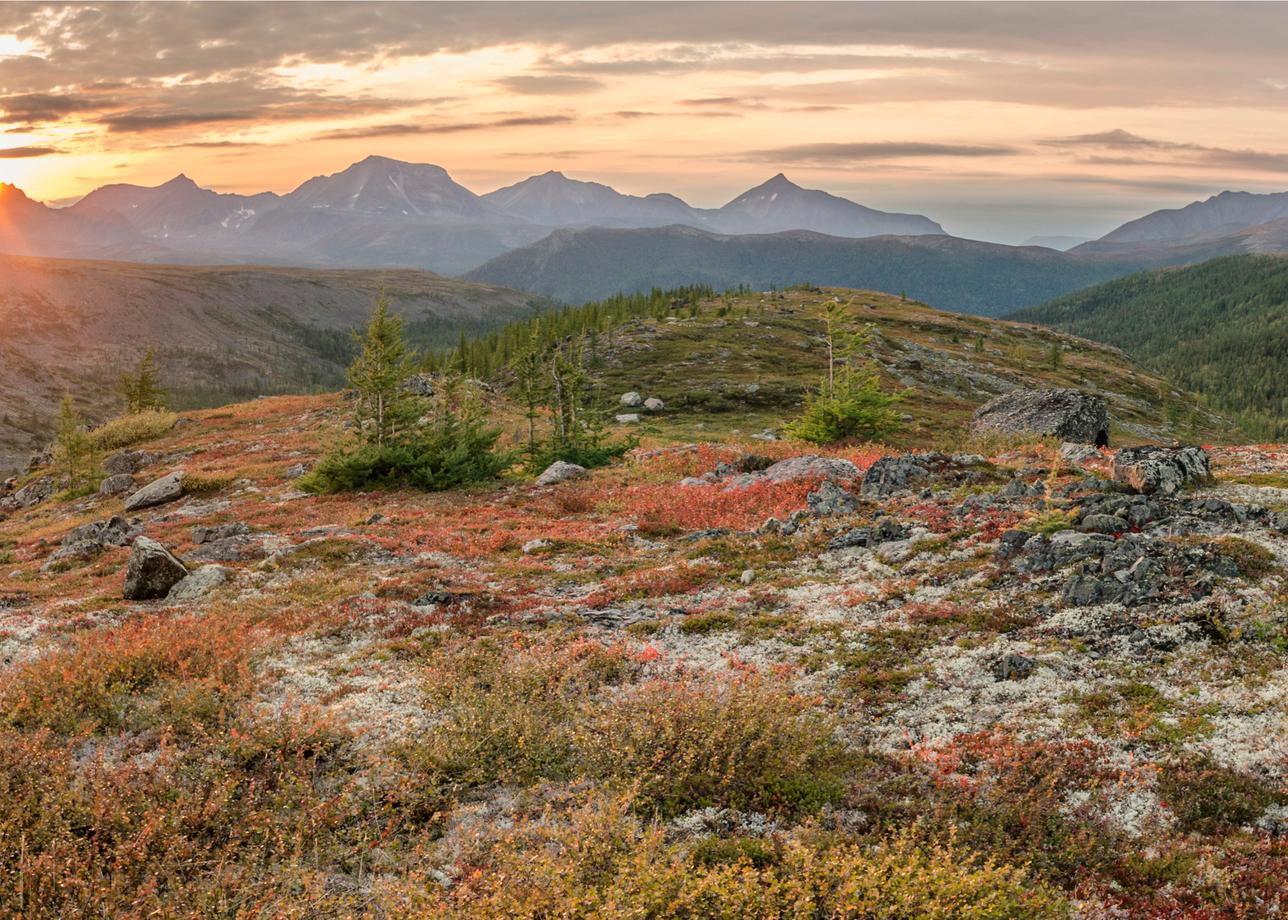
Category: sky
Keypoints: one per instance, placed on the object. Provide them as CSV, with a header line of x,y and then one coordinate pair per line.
x,y
1001,121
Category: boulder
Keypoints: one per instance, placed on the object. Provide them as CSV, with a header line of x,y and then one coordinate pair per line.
x,y
1012,666
34,492
1154,470
152,571
209,533
1078,453
1068,414
893,474
628,418
116,484
157,492
115,531
198,584
418,385
560,471
809,467
829,499
631,400
129,461
653,404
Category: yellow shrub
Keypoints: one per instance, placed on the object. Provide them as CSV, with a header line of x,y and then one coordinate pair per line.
x,y
134,428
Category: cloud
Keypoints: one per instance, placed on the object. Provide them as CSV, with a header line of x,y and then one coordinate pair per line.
x,y
19,153
1186,154
835,153
396,130
550,84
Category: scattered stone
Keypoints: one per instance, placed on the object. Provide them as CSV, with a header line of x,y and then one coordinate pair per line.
x,y
152,571
1012,666
1161,470
893,474
198,584
830,499
628,418
560,471
1274,821
166,489
116,484
297,470
631,400
534,546
209,533
796,468
653,404
1102,523
747,576
1068,414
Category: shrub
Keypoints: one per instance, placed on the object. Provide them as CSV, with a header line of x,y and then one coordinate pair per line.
x,y
133,428
606,866
454,451
857,408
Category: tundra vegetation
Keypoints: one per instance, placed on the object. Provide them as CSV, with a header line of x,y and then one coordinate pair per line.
x,y
682,685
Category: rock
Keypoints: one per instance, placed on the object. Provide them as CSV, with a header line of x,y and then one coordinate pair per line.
x,y
856,537
829,499
747,576
198,584
116,484
209,533
1078,453
631,400
34,492
628,418
1102,523
418,385
1068,414
653,404
238,548
1011,542
1274,821
115,531
1161,470
1012,667
1085,590
157,492
808,467
129,461
534,546
295,471
560,471
893,474
152,571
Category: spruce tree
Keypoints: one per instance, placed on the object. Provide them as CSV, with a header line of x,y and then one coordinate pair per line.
x,y
74,450
142,390
384,409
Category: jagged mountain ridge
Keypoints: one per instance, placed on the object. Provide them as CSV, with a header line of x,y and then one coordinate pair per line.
x,y
1227,214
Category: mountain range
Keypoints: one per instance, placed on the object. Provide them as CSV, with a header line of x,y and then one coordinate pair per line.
x,y
384,212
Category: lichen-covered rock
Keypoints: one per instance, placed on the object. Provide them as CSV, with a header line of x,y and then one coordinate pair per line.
x,y
117,484
34,492
1154,470
631,400
209,533
829,499
560,471
129,461
653,404
152,571
198,584
810,466
628,418
157,492
418,385
893,474
1068,414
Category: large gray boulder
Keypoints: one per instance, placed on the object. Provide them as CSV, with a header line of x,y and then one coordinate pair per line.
x,y
1161,470
116,484
1067,414
129,461
793,469
157,492
152,571
34,492
560,471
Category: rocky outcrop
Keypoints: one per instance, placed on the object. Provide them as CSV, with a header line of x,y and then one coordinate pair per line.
x,y
797,468
891,475
152,571
1068,414
1161,470
129,461
166,489
33,493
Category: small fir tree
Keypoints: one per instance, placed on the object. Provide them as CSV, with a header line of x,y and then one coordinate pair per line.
x,y
74,449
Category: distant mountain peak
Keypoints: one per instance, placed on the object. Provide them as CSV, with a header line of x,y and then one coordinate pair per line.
x,y
180,181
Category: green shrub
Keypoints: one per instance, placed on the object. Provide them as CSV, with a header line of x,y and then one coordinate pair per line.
x,y
454,451
857,409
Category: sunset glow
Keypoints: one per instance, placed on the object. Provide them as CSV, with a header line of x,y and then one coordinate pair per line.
x,y
988,121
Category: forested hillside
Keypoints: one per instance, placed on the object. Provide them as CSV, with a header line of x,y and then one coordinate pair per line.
x,y
1219,328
